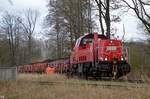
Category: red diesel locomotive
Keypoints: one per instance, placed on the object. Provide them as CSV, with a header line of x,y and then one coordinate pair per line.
x,y
95,55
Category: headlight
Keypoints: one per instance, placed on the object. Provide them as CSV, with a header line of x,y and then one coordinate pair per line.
x,y
122,58
106,59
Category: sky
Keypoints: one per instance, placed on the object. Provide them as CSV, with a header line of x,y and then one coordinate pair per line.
x,y
129,21
21,5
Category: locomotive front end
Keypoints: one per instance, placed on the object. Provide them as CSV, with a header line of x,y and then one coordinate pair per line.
x,y
112,58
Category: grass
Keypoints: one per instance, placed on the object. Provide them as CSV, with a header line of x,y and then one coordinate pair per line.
x,y
24,88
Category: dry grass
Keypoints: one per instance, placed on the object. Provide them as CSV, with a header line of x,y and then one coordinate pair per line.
x,y
24,88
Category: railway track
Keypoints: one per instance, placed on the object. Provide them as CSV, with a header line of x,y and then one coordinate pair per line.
x,y
129,83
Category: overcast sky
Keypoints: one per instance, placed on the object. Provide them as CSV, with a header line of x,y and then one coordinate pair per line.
x,y
21,5
129,21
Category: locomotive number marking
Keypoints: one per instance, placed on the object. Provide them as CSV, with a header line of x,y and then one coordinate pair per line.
x,y
111,48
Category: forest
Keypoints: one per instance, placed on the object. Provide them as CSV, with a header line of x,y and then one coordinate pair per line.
x,y
64,23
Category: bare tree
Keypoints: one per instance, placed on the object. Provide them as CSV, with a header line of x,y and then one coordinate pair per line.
x,y
105,17
11,27
141,9
104,13
15,34
67,20
28,23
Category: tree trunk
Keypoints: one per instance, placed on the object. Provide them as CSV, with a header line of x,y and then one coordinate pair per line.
x,y
107,18
100,17
29,48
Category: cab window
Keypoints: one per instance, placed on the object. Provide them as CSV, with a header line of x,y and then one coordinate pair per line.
x,y
85,41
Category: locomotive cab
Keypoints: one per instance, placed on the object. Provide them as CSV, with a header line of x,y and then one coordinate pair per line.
x,y
83,50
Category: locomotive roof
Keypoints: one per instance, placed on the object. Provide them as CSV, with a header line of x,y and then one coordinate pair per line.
x,y
99,35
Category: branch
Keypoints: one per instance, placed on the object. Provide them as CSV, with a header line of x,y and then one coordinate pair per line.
x,y
128,4
25,28
144,3
102,4
141,4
